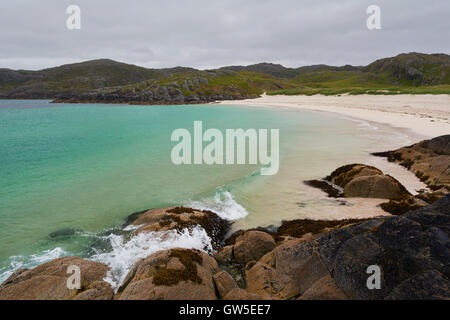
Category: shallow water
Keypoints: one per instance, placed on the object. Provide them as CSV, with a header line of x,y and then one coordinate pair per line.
x,y
87,167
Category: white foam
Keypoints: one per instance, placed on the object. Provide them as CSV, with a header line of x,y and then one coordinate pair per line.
x,y
125,254
28,262
223,204
132,227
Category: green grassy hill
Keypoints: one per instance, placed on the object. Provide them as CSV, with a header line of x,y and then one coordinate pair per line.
x,y
414,69
105,80
412,73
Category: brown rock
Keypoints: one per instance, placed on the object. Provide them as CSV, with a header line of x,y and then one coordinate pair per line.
x,y
307,229
347,173
402,206
179,218
160,277
323,289
263,279
49,282
374,186
287,271
311,271
224,256
99,290
241,294
224,283
362,181
429,160
252,245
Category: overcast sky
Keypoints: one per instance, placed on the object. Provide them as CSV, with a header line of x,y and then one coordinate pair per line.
x,y
214,33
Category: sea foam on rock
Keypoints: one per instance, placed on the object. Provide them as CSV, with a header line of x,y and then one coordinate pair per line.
x,y
181,218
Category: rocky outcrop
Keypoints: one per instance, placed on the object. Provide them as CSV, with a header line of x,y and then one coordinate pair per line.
x,y
306,229
194,89
360,181
49,282
363,181
429,160
176,274
412,252
179,218
415,68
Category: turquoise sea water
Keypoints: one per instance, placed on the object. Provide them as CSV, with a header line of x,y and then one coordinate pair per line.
x,y
87,167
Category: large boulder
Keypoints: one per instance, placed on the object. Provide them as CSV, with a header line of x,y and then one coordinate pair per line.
x,y
403,247
176,274
343,175
374,186
179,218
360,181
287,271
49,282
252,245
245,246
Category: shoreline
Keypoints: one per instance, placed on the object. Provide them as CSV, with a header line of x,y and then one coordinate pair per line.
x,y
426,116
417,117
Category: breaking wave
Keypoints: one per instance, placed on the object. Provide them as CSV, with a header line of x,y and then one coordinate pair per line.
x,y
125,254
223,204
27,262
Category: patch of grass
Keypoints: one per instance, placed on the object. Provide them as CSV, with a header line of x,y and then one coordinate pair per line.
x,y
308,91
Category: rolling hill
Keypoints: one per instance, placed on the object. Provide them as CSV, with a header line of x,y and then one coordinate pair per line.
x,y
110,81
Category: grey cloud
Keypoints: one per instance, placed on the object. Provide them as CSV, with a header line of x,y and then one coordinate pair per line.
x,y
206,33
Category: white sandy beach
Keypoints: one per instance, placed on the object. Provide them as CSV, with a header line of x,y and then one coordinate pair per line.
x,y
426,115
417,117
